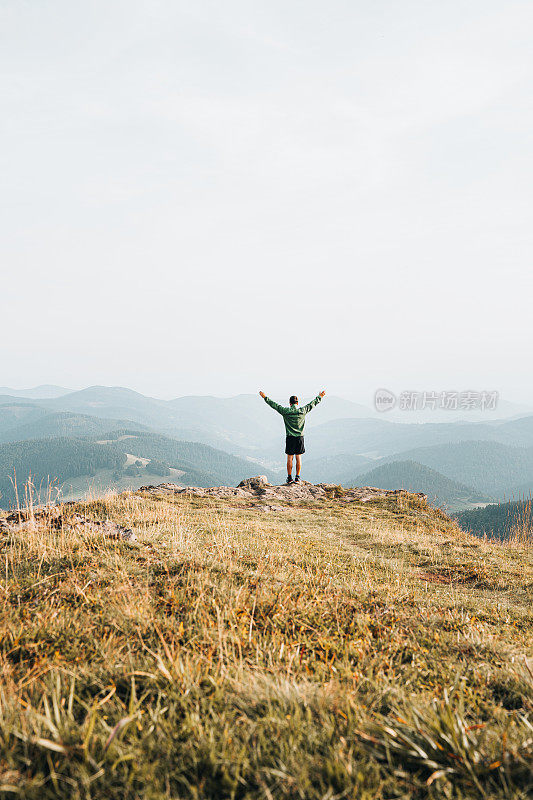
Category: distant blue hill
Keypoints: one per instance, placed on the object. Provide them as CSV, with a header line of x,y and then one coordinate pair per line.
x,y
61,423
414,477
44,392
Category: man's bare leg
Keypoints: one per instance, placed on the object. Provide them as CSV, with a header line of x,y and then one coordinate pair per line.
x,y
298,465
289,465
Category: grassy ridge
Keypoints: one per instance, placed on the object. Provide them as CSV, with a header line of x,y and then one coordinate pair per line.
x,y
357,651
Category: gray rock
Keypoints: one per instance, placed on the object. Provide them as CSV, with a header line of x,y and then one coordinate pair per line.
x,y
265,508
53,517
259,482
108,529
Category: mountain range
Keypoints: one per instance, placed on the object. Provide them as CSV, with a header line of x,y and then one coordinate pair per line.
x,y
346,443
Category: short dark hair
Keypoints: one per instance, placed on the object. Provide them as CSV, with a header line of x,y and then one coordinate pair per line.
x,y
293,400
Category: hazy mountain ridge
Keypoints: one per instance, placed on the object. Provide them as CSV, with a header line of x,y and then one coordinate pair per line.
x,y
241,424
490,467
381,438
415,477
244,424
43,392
64,423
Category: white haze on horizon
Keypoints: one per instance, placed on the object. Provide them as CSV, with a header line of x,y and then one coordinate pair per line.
x,y
206,198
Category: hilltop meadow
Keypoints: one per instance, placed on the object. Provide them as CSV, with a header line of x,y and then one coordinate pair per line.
x,y
321,650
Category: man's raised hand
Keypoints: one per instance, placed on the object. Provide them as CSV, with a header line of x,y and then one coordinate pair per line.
x,y
262,394
322,393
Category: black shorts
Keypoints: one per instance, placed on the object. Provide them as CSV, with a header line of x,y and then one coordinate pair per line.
x,y
294,445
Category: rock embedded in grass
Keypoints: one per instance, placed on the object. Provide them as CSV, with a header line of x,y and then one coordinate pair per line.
x,y
54,517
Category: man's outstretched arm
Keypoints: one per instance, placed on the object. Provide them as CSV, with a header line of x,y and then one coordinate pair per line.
x,y
272,404
313,403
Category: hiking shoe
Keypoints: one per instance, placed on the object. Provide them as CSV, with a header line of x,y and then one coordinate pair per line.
x,y
289,479
297,479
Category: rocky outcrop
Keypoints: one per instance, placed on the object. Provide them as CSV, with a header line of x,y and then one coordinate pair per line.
x,y
258,488
56,517
260,494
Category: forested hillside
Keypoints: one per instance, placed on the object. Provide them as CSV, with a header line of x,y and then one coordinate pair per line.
x,y
415,477
51,461
62,459
217,466
499,520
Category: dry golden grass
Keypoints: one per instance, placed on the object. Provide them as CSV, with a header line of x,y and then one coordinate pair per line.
x,y
328,651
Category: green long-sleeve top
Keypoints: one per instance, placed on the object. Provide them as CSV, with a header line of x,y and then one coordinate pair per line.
x,y
293,416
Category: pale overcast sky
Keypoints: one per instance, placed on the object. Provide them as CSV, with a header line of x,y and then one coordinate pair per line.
x,y
208,197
